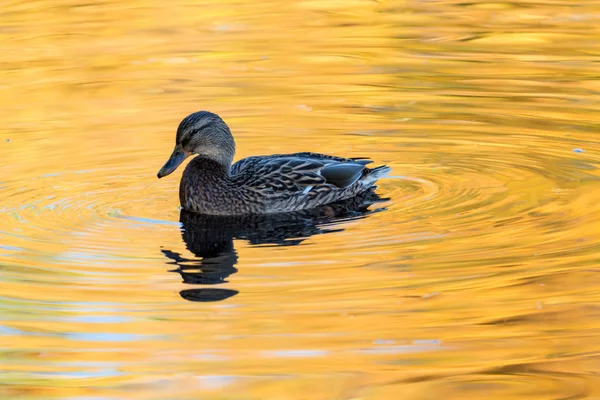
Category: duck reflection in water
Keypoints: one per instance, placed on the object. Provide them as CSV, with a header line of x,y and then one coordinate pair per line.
x,y
210,238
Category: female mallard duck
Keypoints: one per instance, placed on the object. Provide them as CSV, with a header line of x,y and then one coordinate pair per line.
x,y
260,184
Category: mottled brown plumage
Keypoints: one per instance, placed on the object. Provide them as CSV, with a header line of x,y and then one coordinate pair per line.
x,y
260,184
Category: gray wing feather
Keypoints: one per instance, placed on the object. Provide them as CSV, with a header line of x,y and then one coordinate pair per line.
x,y
342,175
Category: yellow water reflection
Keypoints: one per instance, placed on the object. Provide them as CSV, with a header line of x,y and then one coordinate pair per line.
x,y
480,278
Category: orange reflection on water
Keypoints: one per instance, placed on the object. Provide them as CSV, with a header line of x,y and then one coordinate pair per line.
x,y
478,279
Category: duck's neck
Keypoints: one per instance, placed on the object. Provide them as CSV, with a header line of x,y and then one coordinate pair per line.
x,y
206,168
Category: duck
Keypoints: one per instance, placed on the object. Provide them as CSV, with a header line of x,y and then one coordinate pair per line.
x,y
212,184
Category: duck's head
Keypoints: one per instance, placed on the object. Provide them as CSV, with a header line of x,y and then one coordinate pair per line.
x,y
202,133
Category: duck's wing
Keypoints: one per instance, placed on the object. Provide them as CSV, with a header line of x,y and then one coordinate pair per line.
x,y
291,173
250,163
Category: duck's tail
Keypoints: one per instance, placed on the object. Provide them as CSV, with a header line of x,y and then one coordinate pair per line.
x,y
376,173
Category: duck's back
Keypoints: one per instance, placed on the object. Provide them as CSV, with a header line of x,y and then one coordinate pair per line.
x,y
249,163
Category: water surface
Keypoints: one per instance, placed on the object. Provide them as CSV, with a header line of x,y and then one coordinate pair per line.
x,y
479,277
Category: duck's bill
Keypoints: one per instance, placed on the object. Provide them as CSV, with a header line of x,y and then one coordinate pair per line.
x,y
179,154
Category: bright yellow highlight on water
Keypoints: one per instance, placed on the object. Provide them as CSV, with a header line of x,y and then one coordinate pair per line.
x,y
478,279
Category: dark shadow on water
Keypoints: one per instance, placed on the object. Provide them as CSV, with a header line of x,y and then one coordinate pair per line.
x,y
211,240
205,295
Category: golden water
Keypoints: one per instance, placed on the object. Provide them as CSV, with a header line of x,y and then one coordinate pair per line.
x,y
480,279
